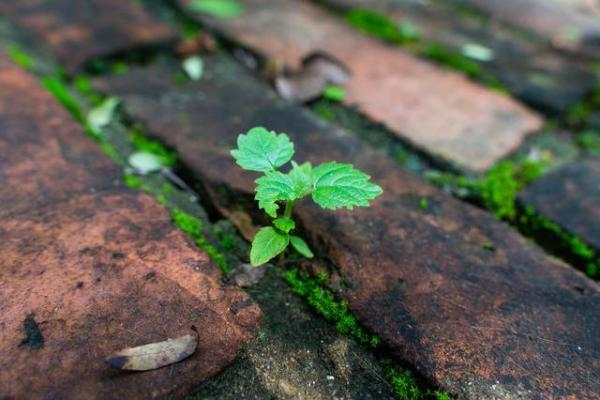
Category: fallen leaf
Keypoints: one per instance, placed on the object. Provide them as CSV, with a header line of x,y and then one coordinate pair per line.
x,y
201,43
154,355
243,222
100,116
144,162
318,72
193,67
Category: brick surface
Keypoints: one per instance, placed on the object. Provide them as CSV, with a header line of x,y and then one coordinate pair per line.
x,y
570,196
89,268
568,24
508,323
78,31
535,73
438,110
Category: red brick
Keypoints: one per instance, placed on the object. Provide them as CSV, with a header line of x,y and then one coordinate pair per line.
x,y
94,268
507,323
36,135
532,71
438,110
78,31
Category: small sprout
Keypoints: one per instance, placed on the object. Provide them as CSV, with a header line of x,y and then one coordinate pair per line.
x,y
334,93
477,52
423,203
100,116
331,185
193,67
144,162
218,8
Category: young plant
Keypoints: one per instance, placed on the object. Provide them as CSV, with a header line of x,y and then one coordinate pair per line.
x,y
331,185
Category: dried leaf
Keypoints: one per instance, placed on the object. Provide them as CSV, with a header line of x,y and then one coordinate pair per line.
x,y
243,222
318,71
154,355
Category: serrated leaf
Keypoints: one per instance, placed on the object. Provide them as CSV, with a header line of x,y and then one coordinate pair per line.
x,y
342,185
144,162
301,177
101,115
301,247
274,186
154,355
267,244
284,224
218,8
193,67
260,150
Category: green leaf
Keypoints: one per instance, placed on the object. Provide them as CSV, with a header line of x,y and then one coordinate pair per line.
x,y
218,8
260,150
301,177
341,185
274,186
301,247
268,243
284,224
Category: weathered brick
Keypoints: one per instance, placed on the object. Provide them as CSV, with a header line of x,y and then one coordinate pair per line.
x,y
537,74
89,268
502,323
78,31
566,24
438,110
570,196
39,136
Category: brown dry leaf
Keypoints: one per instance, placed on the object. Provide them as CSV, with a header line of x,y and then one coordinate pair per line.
x,y
318,71
154,355
243,222
199,44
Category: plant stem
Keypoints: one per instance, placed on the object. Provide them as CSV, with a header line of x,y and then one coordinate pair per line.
x,y
288,209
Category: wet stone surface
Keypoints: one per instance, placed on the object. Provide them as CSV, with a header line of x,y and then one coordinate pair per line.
x,y
540,76
504,323
79,31
437,110
89,268
570,196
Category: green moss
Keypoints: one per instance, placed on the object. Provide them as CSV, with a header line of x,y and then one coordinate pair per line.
x,y
62,94
133,181
423,203
334,93
84,86
561,241
19,57
404,384
143,143
324,110
326,304
590,140
499,190
380,26
439,395
193,227
457,61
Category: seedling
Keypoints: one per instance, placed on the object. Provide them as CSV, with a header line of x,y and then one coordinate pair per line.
x,y
331,185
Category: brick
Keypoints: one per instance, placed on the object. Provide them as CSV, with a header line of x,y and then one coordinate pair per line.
x,y
438,110
79,31
570,196
89,268
572,25
507,323
532,71
39,136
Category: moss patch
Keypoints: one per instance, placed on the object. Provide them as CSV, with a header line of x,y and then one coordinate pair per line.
x,y
19,57
380,26
141,142
193,227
